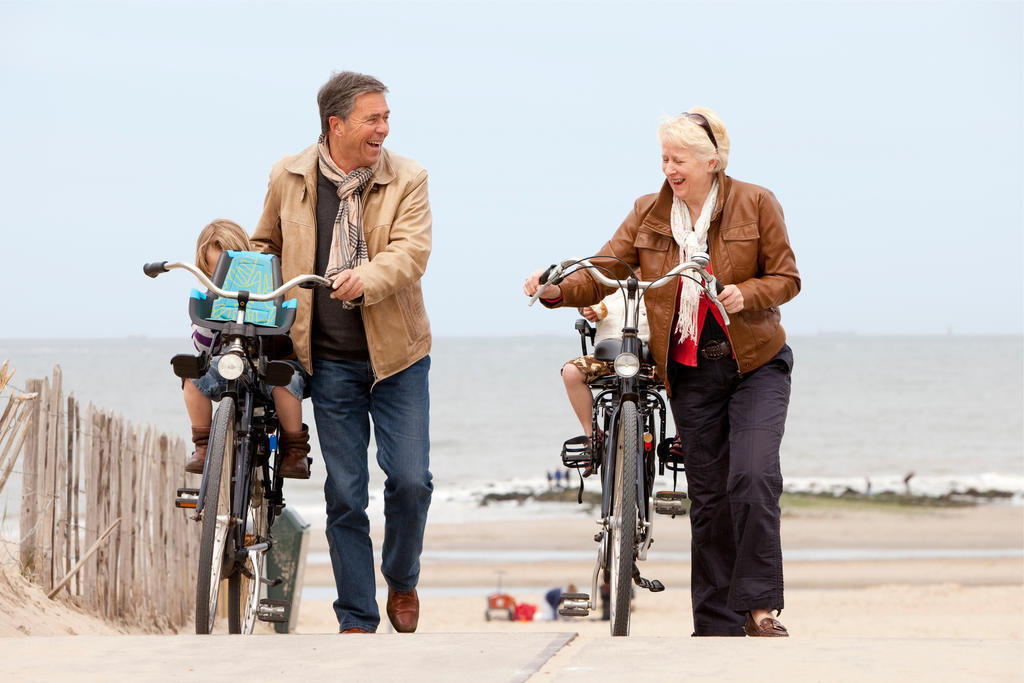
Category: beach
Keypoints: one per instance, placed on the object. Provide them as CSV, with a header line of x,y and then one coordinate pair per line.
x,y
874,592
862,570
852,569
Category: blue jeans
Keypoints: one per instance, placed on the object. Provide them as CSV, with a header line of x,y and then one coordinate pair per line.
x,y
343,405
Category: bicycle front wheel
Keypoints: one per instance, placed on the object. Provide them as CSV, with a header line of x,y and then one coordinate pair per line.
x,y
245,585
216,515
623,522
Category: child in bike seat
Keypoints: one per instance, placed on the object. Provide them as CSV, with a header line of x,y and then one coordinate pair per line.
x,y
577,374
219,236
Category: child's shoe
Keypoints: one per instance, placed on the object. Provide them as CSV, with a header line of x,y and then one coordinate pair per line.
x,y
201,438
295,447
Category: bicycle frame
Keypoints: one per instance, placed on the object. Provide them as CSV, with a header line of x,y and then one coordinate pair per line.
x,y
236,532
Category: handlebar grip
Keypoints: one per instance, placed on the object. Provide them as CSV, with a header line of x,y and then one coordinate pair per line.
x,y
546,274
718,287
313,284
155,268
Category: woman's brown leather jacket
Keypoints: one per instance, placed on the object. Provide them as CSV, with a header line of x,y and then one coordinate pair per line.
x,y
749,248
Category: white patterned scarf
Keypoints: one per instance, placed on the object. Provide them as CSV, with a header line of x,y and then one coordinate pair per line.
x,y
691,239
348,246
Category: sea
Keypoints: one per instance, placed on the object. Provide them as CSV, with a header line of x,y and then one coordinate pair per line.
x,y
931,415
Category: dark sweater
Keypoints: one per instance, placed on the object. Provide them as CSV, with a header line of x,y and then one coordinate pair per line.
x,y
338,332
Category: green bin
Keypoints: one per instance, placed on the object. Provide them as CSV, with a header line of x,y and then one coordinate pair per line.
x,y
287,559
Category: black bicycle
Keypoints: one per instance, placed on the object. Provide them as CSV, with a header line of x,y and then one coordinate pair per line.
x,y
241,490
630,412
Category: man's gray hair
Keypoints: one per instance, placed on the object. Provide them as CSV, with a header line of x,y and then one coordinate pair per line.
x,y
338,96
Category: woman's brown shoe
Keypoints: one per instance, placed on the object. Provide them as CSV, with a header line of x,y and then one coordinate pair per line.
x,y
769,628
201,438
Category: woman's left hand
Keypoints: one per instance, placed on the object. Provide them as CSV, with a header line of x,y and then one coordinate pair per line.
x,y
732,298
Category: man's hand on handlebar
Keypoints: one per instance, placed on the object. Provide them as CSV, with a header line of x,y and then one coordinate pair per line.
x,y
347,286
732,298
532,284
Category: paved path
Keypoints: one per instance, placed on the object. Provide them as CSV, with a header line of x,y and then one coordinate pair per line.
x,y
503,657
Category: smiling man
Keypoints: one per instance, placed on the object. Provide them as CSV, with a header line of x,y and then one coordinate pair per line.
x,y
350,210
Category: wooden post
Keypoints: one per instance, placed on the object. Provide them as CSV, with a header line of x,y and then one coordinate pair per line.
x,y
76,488
30,498
60,498
90,451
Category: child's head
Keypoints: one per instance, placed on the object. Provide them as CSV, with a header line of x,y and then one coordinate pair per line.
x,y
218,236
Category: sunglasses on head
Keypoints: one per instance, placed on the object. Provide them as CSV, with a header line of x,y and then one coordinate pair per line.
x,y
703,123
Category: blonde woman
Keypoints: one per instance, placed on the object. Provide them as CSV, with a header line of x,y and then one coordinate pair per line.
x,y
729,386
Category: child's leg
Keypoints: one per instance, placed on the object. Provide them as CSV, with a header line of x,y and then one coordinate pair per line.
x,y
579,396
289,409
200,408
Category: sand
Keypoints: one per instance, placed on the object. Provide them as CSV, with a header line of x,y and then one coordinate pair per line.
x,y
977,595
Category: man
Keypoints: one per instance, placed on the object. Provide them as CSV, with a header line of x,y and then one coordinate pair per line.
x,y
349,209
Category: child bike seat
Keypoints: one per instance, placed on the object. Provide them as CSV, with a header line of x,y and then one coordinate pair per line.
x,y
244,270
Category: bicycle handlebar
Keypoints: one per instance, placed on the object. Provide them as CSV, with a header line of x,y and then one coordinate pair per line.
x,y
157,267
698,264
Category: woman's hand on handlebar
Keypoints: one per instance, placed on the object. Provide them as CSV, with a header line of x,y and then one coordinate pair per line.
x,y
532,284
732,298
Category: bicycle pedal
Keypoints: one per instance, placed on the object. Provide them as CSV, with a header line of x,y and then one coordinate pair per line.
x,y
576,453
187,499
669,459
652,585
272,610
670,503
574,605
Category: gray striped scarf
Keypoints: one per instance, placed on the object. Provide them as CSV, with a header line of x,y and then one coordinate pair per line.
x,y
348,246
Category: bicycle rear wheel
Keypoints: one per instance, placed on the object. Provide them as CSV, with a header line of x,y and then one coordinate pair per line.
x,y
623,527
245,585
216,515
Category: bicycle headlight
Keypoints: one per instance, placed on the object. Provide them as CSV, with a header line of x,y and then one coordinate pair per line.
x,y
230,366
626,365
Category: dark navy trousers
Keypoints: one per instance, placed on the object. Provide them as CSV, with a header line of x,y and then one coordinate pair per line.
x,y
731,426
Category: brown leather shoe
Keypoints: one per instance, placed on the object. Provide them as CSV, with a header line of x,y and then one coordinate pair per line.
x,y
404,610
356,629
768,628
295,447
201,438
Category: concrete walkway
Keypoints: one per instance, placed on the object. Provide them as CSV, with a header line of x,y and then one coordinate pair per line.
x,y
475,658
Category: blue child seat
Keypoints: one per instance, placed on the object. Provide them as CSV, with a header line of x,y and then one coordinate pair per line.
x,y
244,270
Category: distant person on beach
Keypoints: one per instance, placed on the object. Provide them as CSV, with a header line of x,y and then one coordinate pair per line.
x,y
350,209
219,236
577,374
729,386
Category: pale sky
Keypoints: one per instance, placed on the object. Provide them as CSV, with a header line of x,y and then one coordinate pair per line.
x,y
891,133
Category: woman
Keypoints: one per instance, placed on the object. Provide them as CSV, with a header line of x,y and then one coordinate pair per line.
x,y
728,386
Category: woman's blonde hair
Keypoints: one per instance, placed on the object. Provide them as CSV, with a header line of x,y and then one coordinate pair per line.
x,y
687,132
224,235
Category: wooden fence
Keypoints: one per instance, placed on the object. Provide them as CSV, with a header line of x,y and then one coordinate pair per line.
x,y
133,559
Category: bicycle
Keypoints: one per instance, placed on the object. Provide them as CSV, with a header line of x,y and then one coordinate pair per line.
x,y
241,491
630,412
